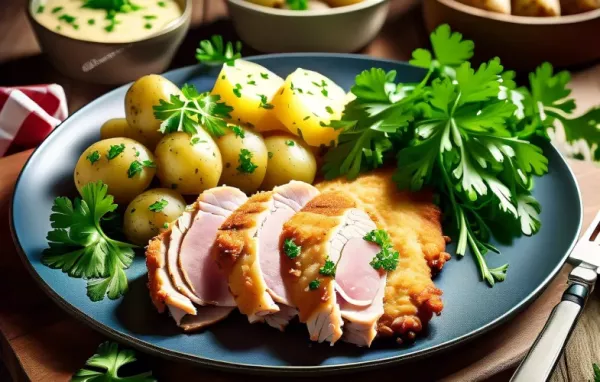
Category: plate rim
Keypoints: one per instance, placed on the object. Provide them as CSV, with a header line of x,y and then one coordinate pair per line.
x,y
159,351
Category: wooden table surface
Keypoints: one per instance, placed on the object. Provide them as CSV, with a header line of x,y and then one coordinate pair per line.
x,y
39,342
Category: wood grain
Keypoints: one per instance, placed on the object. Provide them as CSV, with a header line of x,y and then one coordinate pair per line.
x,y
40,342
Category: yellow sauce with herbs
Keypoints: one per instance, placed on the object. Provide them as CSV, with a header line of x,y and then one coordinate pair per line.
x,y
135,20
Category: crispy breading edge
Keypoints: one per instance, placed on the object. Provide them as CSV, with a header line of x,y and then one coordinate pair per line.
x,y
157,295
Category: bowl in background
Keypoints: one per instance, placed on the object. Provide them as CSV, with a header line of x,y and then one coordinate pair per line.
x,y
521,42
112,63
343,30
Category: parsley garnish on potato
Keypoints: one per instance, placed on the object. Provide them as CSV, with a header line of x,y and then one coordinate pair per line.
x,y
465,131
387,257
93,157
158,206
114,151
245,159
106,364
80,247
187,112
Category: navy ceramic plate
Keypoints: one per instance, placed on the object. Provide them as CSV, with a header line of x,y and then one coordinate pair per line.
x,y
236,345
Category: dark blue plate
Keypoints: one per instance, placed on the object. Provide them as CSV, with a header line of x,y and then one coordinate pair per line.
x,y
471,307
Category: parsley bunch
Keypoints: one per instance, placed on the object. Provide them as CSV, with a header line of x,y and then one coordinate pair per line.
x,y
105,365
81,248
466,132
185,113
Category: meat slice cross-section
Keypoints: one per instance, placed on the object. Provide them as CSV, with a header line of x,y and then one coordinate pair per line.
x,y
248,251
330,230
182,275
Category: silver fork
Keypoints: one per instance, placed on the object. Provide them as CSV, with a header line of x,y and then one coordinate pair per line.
x,y
543,356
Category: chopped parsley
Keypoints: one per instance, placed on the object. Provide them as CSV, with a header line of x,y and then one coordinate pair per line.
x,y
148,26
251,82
263,102
57,9
161,4
245,159
306,118
150,17
166,225
265,76
329,109
328,269
67,18
115,150
325,92
313,285
270,155
93,157
196,140
158,206
290,143
40,9
236,90
387,257
238,131
91,22
290,249
136,167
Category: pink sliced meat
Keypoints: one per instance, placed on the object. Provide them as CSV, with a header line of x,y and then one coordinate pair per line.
x,y
357,281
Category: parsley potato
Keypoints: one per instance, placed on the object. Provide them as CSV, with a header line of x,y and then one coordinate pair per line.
x,y
249,88
188,164
124,165
149,212
143,94
307,103
114,128
243,169
289,159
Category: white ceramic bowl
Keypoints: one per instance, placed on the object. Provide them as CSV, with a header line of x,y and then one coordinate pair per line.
x,y
343,29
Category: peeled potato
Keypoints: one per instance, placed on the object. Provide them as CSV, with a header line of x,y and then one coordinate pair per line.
x,y
149,212
143,94
113,128
241,86
500,6
248,178
546,8
306,105
289,159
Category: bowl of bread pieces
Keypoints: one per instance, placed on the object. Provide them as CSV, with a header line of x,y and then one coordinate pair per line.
x,y
524,33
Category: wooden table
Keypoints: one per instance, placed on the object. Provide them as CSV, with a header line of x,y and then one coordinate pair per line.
x,y
39,342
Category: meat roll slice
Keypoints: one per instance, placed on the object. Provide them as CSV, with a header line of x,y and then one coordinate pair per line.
x,y
182,275
248,251
329,230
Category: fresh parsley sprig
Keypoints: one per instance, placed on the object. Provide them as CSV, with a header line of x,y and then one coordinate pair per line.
x,y
465,131
216,52
80,247
186,112
106,364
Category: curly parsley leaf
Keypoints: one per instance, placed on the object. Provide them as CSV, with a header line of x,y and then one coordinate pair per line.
x,y
314,285
114,151
290,249
105,366
93,157
158,206
328,269
387,258
238,131
186,112
79,246
245,160
217,52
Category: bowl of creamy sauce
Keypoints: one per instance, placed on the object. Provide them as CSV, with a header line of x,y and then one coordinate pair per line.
x,y
110,41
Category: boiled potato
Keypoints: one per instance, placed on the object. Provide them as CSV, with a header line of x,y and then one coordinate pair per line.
x,y
187,164
114,128
544,8
312,5
268,3
341,3
124,165
249,88
500,6
149,212
145,93
289,159
569,7
243,169
306,105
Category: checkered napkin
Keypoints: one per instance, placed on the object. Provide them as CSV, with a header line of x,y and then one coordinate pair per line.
x,y
29,113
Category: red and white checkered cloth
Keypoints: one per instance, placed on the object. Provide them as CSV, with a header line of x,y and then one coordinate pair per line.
x,y
29,113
